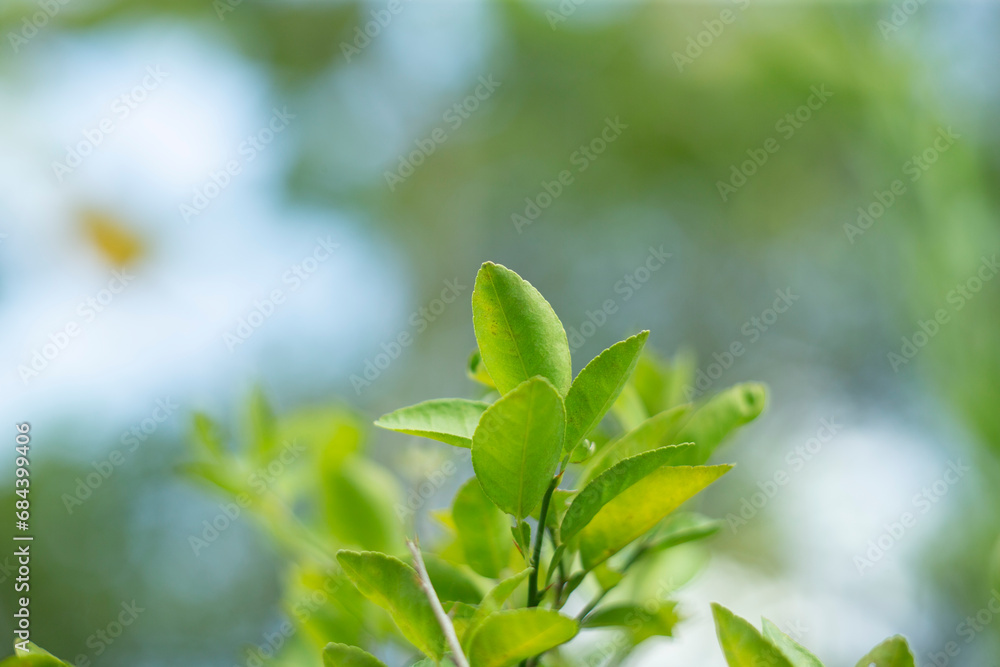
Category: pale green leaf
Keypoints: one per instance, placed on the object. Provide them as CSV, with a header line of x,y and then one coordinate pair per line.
x,y
518,333
656,431
476,370
450,583
263,432
598,385
506,637
721,415
640,507
683,528
370,492
641,621
516,447
342,655
483,530
611,483
392,584
796,654
208,434
742,645
893,652
448,420
494,601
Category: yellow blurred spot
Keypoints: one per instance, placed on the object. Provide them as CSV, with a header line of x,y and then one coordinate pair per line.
x,y
116,243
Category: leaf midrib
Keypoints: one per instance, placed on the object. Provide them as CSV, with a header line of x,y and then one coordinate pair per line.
x,y
506,321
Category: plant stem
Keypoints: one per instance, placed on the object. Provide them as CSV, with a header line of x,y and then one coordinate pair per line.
x,y
442,618
536,556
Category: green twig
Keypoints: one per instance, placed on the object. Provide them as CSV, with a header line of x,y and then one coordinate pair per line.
x,y
536,556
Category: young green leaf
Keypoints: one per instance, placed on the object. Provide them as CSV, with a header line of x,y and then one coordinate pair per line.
x,y
208,434
640,507
742,645
893,652
519,334
522,537
650,434
722,414
792,650
370,492
342,655
642,621
392,584
598,385
611,483
263,438
483,530
680,529
450,583
493,602
33,656
448,420
516,447
507,637
476,370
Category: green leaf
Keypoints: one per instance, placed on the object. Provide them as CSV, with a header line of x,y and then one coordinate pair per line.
x,y
476,370
342,655
641,622
742,645
598,385
448,420
330,432
893,652
522,537
611,483
684,528
660,383
650,434
516,447
208,434
722,414
392,584
34,656
519,334
797,655
507,637
450,583
483,530
263,437
494,601
640,507
370,492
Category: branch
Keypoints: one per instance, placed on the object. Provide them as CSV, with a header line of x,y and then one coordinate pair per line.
x,y
442,618
537,555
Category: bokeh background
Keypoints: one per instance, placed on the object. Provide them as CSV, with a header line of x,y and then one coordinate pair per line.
x,y
119,120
